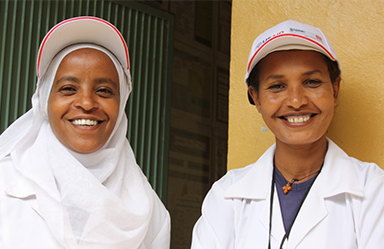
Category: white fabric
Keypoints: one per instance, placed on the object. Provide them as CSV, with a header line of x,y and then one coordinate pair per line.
x,y
97,200
344,208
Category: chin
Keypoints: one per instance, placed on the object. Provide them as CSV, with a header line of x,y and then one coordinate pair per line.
x,y
301,141
84,149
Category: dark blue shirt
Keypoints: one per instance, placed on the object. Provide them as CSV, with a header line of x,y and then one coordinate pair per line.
x,y
291,202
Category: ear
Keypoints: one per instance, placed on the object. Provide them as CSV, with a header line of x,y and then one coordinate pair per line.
x,y
255,97
336,88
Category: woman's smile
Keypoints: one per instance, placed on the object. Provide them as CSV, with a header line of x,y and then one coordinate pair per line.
x,y
84,122
299,119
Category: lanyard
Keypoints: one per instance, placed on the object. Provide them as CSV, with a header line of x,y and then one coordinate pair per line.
x,y
286,235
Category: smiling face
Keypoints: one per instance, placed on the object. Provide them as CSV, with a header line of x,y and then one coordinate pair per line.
x,y
296,96
83,105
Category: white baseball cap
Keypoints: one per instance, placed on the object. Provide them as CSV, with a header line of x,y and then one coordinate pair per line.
x,y
83,29
289,35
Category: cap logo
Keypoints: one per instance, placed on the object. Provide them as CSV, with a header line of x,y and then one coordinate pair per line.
x,y
296,30
268,38
306,34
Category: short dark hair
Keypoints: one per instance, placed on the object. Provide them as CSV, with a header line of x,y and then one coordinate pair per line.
x,y
333,69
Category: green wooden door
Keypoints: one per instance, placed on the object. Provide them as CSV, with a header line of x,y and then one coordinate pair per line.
x,y
149,36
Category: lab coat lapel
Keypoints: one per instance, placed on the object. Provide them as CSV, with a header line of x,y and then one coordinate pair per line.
x,y
256,185
328,183
277,231
307,219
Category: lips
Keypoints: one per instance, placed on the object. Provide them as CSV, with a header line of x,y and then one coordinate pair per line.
x,y
84,122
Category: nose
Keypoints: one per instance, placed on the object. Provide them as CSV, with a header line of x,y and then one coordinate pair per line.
x,y
86,100
297,98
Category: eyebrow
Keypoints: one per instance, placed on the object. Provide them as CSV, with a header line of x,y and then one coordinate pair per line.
x,y
77,80
312,72
279,76
67,78
106,80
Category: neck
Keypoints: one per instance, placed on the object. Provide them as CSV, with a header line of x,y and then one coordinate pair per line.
x,y
297,162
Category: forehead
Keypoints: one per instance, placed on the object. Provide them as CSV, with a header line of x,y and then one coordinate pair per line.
x,y
89,54
292,59
86,60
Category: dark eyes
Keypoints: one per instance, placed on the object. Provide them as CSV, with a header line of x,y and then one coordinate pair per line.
x,y
67,90
276,86
311,83
103,92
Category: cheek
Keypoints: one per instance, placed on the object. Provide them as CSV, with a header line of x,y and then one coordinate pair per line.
x,y
269,103
56,108
113,110
267,98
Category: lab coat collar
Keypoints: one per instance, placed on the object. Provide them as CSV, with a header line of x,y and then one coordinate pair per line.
x,y
256,184
22,188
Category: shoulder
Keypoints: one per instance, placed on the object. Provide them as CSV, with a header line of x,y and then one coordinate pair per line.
x,y
232,176
369,208
249,182
353,171
370,177
367,170
7,172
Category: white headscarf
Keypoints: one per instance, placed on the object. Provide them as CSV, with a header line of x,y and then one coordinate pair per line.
x,y
97,200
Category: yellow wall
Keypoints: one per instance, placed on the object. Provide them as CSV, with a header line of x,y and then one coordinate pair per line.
x,y
356,31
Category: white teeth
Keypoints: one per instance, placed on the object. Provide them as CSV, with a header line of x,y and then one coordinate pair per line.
x,y
300,119
84,122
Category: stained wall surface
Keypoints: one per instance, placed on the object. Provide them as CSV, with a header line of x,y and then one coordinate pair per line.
x,y
356,31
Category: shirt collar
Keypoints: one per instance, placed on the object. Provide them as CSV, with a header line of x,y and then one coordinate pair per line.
x,y
256,183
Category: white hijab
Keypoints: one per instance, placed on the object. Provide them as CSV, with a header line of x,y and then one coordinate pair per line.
x,y
97,200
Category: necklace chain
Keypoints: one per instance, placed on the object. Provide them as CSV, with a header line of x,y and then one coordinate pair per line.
x,y
288,187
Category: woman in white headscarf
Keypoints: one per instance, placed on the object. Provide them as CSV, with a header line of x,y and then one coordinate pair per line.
x,y
68,176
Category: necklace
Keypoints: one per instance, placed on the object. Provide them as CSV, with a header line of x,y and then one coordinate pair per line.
x,y
288,187
286,235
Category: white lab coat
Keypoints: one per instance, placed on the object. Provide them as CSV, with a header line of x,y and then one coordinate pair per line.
x,y
22,227
343,210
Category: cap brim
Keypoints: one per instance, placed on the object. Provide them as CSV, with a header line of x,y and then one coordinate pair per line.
x,y
77,30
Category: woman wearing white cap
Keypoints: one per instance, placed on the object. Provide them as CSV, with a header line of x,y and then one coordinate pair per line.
x,y
304,191
68,176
